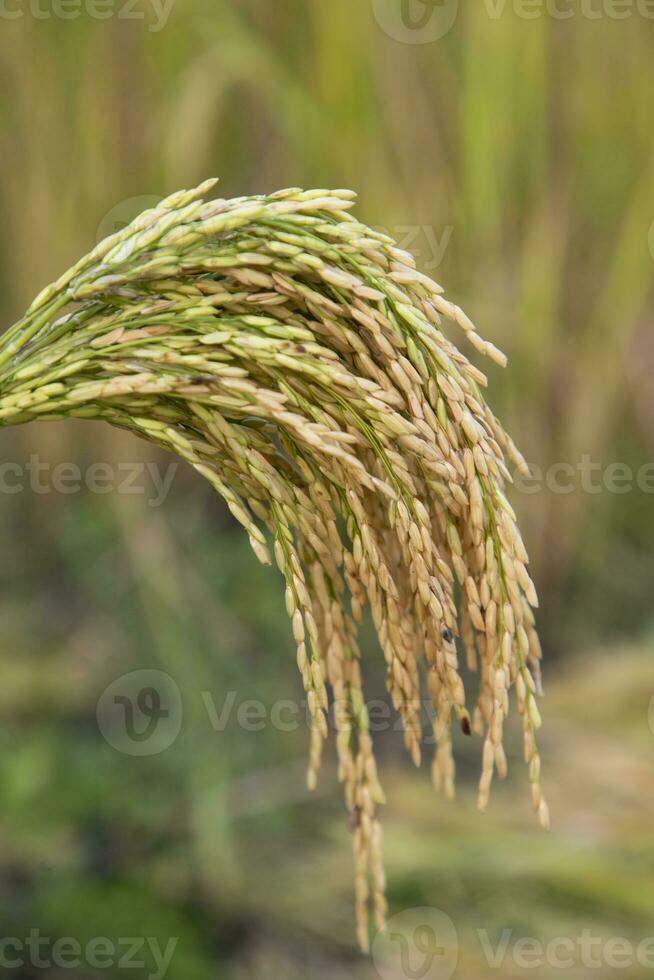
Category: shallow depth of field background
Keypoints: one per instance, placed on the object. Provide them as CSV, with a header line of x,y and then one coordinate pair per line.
x,y
514,156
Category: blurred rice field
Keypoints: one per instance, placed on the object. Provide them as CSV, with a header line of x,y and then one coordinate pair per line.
x,y
514,156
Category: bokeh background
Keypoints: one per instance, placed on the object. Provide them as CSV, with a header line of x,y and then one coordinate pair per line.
x,y
514,155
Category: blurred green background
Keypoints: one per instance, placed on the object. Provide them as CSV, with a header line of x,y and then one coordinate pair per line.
x,y
514,156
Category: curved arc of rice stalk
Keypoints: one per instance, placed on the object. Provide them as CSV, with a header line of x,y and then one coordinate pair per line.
x,y
297,360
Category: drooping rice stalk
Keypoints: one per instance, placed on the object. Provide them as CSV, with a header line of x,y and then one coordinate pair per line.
x,y
299,362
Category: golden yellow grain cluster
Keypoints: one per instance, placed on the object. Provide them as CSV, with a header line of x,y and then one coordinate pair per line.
x,y
299,361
